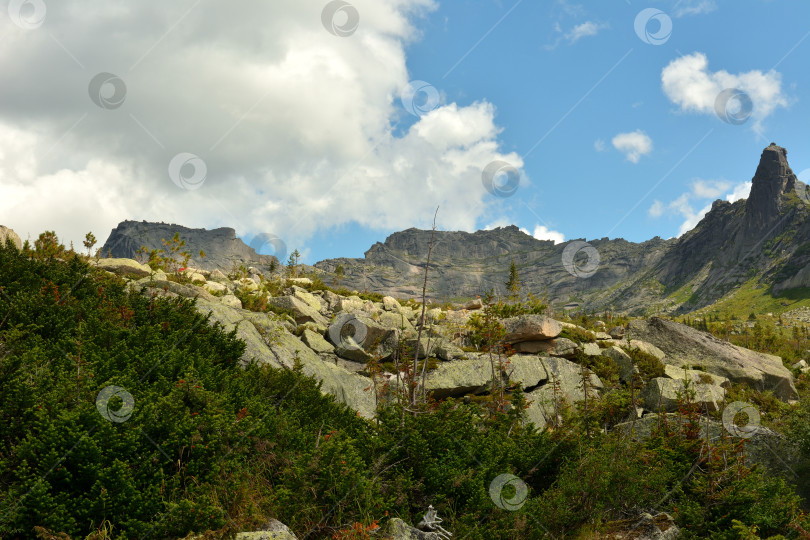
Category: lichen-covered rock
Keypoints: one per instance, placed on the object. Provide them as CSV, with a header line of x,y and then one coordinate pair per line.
x,y
564,385
626,367
231,301
268,341
661,393
530,328
685,346
215,287
396,529
124,267
302,311
359,338
316,342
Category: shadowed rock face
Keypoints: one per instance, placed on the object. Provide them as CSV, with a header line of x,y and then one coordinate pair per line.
x,y
221,246
720,253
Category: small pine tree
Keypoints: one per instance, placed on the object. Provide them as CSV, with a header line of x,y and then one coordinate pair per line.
x,y
292,263
89,242
339,274
513,285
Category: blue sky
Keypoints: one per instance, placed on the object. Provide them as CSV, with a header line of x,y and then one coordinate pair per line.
x,y
535,67
332,124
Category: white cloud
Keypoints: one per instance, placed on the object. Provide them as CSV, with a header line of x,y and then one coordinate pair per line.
x,y
656,209
633,145
701,190
586,29
694,7
709,189
542,232
741,191
300,130
599,145
688,83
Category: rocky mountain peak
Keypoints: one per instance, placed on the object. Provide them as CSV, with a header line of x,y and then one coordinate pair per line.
x,y
773,179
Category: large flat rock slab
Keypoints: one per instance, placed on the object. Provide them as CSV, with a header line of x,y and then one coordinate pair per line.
x,y
686,347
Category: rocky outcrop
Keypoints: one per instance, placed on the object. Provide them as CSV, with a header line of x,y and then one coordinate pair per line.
x,y
684,347
9,234
126,267
530,328
664,394
222,248
564,387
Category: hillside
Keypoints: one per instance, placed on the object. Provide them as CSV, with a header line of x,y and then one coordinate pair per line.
x,y
142,401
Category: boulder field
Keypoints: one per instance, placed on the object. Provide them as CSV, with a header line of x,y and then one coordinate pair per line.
x,y
333,337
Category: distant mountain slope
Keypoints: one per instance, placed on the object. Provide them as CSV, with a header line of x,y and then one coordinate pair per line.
x,y
766,236
221,246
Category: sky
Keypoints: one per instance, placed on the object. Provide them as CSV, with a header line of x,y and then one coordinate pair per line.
x,y
328,125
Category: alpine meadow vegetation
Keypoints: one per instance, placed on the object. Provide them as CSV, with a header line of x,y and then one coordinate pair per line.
x,y
190,441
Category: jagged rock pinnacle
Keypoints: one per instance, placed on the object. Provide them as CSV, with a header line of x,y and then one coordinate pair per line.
x,y
772,180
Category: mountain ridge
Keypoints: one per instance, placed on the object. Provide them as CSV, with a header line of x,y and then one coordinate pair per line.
x,y
764,237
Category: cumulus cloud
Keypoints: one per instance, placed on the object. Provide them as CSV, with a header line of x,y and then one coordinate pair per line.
x,y
688,82
541,232
700,191
300,130
599,145
633,145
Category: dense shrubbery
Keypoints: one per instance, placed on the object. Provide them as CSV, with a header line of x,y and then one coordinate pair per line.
x,y
212,446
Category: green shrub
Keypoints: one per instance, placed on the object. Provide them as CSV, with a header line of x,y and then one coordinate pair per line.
x,y
649,366
578,335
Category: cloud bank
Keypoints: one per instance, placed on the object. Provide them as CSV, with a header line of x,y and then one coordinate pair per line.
x,y
298,129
